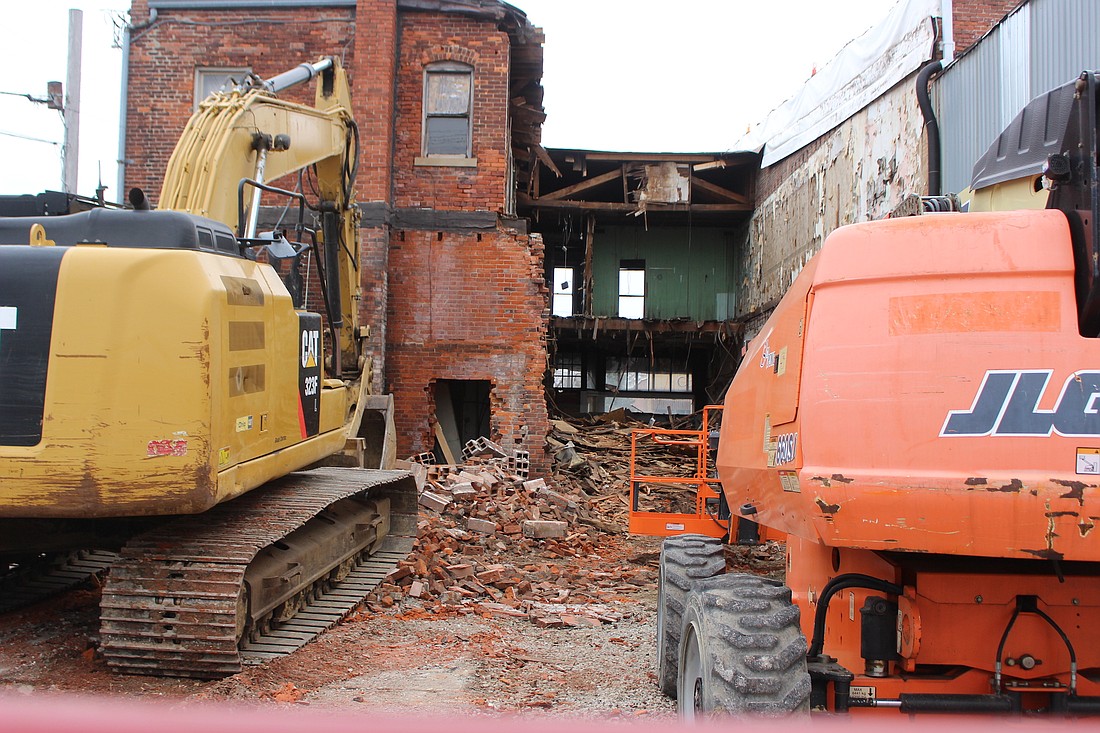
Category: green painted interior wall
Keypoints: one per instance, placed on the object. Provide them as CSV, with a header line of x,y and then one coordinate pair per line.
x,y
690,273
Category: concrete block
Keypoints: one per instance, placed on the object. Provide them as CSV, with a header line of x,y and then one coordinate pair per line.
x,y
536,484
544,529
465,489
484,526
434,501
419,472
559,499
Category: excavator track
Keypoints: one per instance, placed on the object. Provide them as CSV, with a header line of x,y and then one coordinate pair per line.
x,y
30,583
329,607
176,602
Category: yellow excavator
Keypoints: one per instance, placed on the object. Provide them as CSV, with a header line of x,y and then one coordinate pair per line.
x,y
164,384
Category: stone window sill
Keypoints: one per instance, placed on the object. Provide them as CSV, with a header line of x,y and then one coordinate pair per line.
x,y
446,161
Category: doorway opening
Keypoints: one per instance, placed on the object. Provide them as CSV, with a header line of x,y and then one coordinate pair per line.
x,y
462,414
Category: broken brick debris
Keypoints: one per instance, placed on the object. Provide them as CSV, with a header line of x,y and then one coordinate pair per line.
x,y
492,542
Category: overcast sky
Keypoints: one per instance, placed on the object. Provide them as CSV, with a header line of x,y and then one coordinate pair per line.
x,y
646,75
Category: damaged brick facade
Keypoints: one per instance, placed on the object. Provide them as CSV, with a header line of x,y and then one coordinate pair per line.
x,y
453,286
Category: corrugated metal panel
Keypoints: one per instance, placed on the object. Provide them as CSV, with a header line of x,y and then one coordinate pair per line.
x,y
1015,65
1068,34
1041,46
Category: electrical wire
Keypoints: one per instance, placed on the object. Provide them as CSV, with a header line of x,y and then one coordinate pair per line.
x,y
28,137
834,586
998,666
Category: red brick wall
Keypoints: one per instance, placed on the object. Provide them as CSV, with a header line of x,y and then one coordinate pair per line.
x,y
373,90
429,37
163,58
972,19
373,95
440,306
469,306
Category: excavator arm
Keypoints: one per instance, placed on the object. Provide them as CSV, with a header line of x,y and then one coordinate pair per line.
x,y
250,135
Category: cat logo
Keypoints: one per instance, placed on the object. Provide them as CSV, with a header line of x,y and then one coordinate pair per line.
x,y
311,341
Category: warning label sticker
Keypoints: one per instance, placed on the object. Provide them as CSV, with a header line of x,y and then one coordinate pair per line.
x,y
789,479
1088,461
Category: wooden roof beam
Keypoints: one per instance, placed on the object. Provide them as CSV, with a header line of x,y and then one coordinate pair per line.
x,y
718,191
543,203
582,186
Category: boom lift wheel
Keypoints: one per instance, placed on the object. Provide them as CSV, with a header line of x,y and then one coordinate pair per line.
x,y
742,650
685,560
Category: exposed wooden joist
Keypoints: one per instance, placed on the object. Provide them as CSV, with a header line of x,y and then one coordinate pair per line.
x,y
610,325
582,186
543,203
717,190
546,160
652,157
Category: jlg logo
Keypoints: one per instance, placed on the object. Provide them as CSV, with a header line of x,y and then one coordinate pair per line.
x,y
1007,404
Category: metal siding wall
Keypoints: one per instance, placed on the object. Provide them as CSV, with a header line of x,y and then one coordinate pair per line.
x,y
1068,32
1043,45
967,104
1015,67
684,274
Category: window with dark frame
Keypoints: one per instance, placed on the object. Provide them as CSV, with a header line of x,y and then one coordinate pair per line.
x,y
640,374
448,92
567,371
632,289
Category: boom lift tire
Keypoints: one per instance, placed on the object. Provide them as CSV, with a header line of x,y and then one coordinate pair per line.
x,y
742,650
685,560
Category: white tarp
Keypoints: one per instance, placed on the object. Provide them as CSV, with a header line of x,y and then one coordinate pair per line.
x,y
863,71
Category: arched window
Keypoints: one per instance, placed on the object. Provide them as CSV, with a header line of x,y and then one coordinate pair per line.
x,y
448,92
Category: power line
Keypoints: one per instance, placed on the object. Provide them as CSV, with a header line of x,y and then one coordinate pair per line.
x,y
27,137
26,96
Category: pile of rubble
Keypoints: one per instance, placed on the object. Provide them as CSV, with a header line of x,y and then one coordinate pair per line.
x,y
492,542
593,456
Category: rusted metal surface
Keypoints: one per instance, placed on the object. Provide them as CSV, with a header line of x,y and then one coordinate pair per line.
x,y
176,602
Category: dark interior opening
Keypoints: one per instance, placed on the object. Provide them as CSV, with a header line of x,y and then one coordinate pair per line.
x,y
462,414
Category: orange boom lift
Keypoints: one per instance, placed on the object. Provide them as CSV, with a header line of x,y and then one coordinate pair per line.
x,y
921,416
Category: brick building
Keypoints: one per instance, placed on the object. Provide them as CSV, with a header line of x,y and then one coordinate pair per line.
x,y
448,103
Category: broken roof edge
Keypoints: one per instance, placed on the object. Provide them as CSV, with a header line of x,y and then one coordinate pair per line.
x,y
648,155
496,10
225,4
862,71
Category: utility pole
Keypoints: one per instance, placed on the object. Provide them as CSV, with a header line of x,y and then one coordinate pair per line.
x,y
70,152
